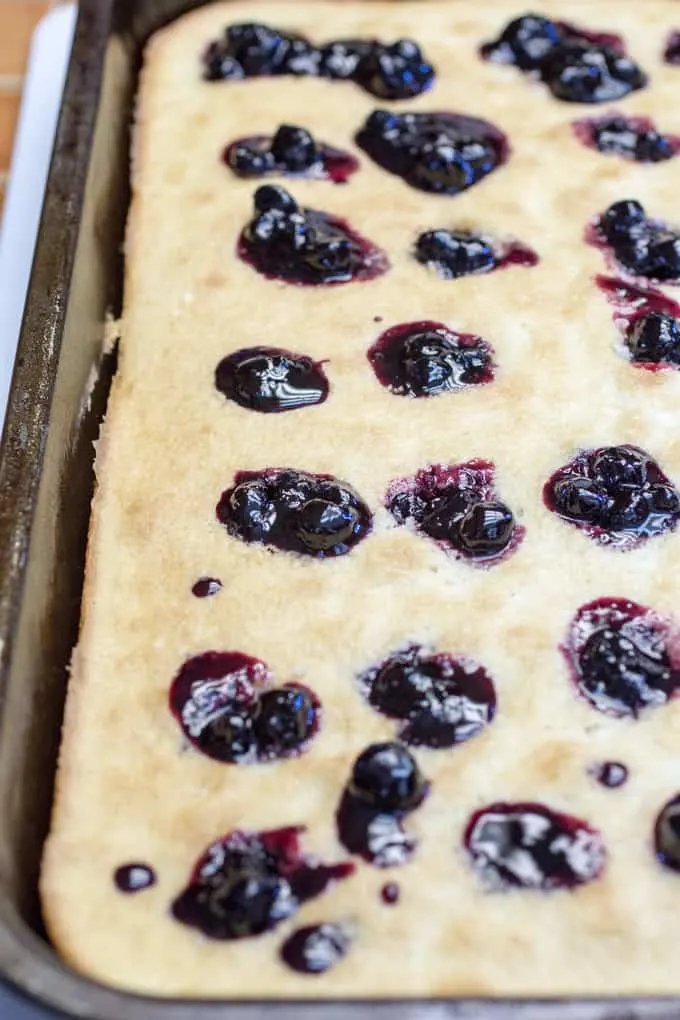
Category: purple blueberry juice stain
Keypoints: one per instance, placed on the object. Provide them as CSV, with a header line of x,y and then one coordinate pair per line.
x,y
617,495
247,883
623,657
531,846
457,506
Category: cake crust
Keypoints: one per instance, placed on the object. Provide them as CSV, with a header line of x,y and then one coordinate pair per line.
x,y
126,789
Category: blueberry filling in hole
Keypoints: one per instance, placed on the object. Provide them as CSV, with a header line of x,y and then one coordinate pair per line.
x,y
271,380
648,322
386,785
458,507
638,245
530,846
228,709
619,657
305,246
610,774
249,882
425,359
292,151
576,65
671,53
667,835
397,70
455,253
632,138
439,700
294,511
443,153
617,495
133,878
206,587
317,948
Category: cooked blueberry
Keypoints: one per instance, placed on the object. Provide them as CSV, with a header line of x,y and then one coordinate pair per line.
x,y
577,72
285,719
398,71
619,676
294,147
444,153
611,774
526,41
257,48
454,253
219,65
672,50
271,380
530,846
439,700
340,59
618,494
386,776
248,160
248,883
654,253
440,502
316,515
424,359
621,137
305,245
654,338
228,736
316,948
133,878
621,219
667,835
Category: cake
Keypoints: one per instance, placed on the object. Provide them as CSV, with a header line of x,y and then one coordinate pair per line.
x,y
374,689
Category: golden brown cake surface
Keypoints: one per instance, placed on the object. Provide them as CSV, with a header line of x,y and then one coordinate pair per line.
x,y
128,789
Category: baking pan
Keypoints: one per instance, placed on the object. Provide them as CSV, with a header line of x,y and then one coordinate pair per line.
x,y
57,400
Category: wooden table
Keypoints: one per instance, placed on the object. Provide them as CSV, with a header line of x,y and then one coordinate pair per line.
x,y
18,18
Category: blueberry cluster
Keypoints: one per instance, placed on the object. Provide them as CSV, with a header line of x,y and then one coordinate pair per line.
x,y
577,66
425,359
457,507
271,380
291,151
305,246
654,339
632,138
227,709
618,494
641,246
390,71
443,153
316,515
455,253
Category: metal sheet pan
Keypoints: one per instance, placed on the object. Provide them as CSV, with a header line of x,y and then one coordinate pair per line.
x,y
46,482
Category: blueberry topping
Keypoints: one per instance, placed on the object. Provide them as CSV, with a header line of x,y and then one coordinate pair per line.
x,y
271,380
398,71
439,700
227,709
315,515
316,948
672,50
611,774
386,784
577,72
577,66
618,654
395,70
525,42
633,138
530,846
618,495
206,587
654,338
133,878
642,246
248,883
454,253
667,835
444,153
458,507
425,359
389,893
305,246
291,151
